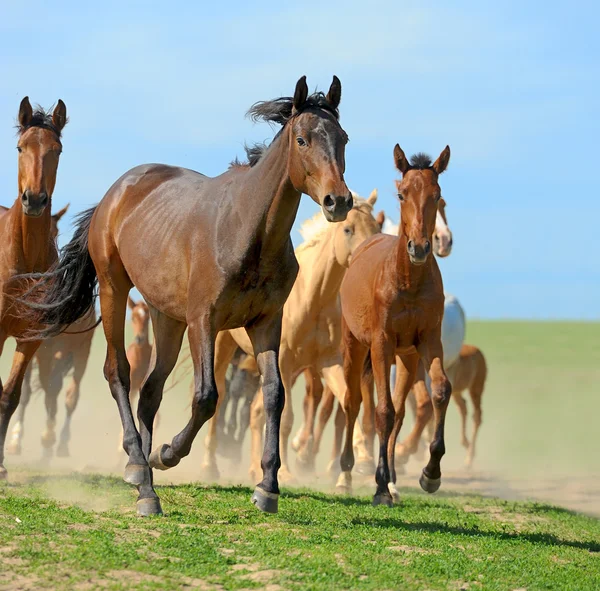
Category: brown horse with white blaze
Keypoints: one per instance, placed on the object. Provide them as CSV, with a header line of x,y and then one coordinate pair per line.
x,y
209,254
392,306
27,243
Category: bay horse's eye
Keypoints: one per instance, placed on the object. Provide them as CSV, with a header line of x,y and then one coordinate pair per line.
x,y
400,197
19,149
348,231
301,141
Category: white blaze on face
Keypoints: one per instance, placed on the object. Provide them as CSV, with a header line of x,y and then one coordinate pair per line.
x,y
442,237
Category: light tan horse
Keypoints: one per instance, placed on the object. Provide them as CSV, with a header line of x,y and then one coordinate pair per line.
x,y
311,321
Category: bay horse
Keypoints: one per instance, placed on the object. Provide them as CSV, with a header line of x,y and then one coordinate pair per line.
x,y
392,306
311,321
27,245
69,351
209,254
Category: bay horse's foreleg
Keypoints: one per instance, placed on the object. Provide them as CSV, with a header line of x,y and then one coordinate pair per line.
x,y
201,334
441,390
354,355
11,392
423,414
225,347
367,465
266,338
51,383
81,356
406,370
14,446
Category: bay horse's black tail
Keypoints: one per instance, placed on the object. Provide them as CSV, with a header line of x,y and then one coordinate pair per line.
x,y
67,291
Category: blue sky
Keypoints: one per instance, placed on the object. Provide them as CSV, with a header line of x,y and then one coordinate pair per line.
x,y
512,87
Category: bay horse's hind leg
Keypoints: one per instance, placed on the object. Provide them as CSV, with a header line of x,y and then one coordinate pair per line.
x,y
14,446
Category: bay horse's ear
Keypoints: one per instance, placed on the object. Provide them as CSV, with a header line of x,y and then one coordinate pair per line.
x,y
380,219
372,197
400,160
334,96
301,93
130,302
442,162
60,213
59,116
25,112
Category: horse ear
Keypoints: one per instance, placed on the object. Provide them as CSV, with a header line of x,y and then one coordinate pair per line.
x,y
59,116
301,93
60,213
25,112
334,96
442,162
380,219
372,197
400,160
130,302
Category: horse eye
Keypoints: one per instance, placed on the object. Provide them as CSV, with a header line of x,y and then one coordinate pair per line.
x,y
19,149
301,141
348,231
400,197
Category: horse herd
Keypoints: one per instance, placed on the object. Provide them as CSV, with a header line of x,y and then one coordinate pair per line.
x,y
350,307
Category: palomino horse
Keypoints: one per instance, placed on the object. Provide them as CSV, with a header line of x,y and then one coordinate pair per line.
x,y
310,333
69,351
392,306
209,254
27,245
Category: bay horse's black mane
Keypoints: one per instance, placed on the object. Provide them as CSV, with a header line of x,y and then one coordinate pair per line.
x,y
280,110
40,118
420,161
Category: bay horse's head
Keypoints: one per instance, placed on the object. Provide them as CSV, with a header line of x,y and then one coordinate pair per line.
x,y
317,144
39,150
420,195
358,226
140,318
55,219
442,236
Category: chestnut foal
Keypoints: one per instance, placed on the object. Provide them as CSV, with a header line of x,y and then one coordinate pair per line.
x,y
27,244
392,305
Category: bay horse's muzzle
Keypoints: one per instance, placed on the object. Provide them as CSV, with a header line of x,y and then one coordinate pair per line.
x,y
336,207
418,253
34,204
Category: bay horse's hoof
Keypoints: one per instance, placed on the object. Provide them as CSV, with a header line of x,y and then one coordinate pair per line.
x,y
383,498
62,451
157,458
429,485
147,507
3,473
210,473
14,448
136,474
394,492
365,467
265,501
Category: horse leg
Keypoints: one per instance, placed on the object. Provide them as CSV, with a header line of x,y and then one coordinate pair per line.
x,y
367,464
225,347
327,402
14,446
423,414
257,426
80,361
441,390
11,393
310,383
462,409
304,442
51,384
476,393
406,369
354,359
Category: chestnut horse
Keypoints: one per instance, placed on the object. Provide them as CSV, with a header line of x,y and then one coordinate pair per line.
x,y
27,245
69,351
209,254
392,306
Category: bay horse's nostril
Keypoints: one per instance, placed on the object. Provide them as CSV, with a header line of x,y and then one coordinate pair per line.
x,y
411,245
328,202
25,197
427,247
43,199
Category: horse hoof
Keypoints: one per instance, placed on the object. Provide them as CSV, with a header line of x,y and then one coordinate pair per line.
x,y
147,507
62,451
429,485
383,498
365,468
210,473
305,465
341,489
286,477
156,458
267,502
344,484
135,474
47,453
394,492
3,473
14,448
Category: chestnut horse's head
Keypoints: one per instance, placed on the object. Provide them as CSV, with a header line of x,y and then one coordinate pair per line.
x,y
442,236
358,226
39,150
420,195
140,318
317,144
55,219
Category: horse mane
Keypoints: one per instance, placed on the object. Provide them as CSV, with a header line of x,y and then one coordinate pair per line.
x,y
314,229
40,118
420,161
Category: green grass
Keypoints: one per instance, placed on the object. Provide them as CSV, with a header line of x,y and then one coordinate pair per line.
x,y
212,537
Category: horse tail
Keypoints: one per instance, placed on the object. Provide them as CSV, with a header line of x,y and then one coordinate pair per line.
x,y
67,291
